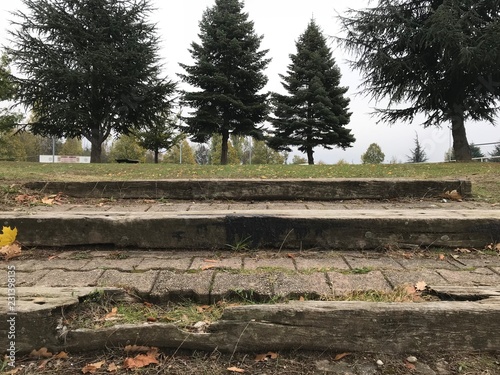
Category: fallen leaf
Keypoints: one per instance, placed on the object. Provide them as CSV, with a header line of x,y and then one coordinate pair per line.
x,y
8,236
151,319
236,369
265,357
463,251
43,352
112,315
208,267
61,355
338,357
301,299
48,201
442,257
421,286
453,195
410,289
42,364
52,257
211,261
112,367
92,367
203,308
291,256
148,304
10,251
140,361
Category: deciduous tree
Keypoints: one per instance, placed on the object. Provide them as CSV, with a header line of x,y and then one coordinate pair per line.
x,y
88,68
436,57
315,111
228,74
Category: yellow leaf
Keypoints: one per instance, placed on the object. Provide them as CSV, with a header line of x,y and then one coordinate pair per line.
x,y
8,237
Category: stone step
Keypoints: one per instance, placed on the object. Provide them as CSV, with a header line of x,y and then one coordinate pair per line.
x,y
239,230
262,189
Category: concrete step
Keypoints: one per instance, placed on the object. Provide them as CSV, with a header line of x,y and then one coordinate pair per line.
x,y
284,229
263,189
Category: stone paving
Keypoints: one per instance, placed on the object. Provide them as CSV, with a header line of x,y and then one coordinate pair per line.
x,y
264,275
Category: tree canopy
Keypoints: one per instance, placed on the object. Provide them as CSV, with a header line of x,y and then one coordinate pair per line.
x,y
436,57
315,111
88,68
228,77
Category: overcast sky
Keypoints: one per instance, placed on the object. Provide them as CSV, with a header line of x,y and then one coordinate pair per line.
x,y
281,22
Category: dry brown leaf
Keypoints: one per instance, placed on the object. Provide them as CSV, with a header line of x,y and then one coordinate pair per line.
x,y
43,352
421,286
236,369
203,308
151,319
208,267
112,367
138,349
463,250
10,251
265,357
442,257
48,201
410,289
148,304
338,357
291,256
112,315
453,195
92,367
140,361
301,299
61,355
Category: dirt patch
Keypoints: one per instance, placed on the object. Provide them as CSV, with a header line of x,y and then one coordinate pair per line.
x,y
297,362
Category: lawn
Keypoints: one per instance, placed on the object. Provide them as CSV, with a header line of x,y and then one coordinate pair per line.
x,y
485,176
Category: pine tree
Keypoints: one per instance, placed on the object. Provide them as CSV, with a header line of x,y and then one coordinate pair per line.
x,y
373,155
436,57
159,135
315,111
418,153
8,119
88,68
228,73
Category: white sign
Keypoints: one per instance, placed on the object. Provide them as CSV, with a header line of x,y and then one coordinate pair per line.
x,y
63,159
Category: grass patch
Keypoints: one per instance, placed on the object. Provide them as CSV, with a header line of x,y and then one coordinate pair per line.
x,y
400,294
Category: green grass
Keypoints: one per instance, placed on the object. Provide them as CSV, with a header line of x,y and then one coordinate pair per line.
x,y
485,176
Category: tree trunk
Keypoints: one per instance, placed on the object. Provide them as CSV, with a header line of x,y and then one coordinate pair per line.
x,y
95,151
157,153
460,144
224,152
310,156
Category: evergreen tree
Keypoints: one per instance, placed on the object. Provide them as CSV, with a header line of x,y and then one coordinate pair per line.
x,y
418,153
373,155
496,152
440,56
315,111
8,119
88,68
160,135
228,75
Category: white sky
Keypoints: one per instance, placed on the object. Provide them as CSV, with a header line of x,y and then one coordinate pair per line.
x,y
281,22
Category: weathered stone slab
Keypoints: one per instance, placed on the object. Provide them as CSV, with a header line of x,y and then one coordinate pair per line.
x,y
372,262
298,285
327,263
244,286
268,263
204,263
62,278
345,283
142,282
289,189
179,286
477,277
411,277
356,229
165,264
